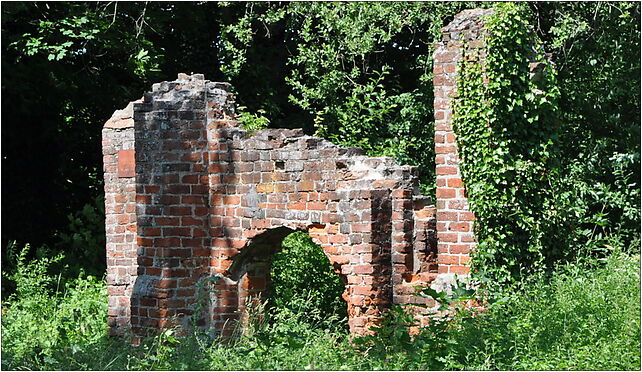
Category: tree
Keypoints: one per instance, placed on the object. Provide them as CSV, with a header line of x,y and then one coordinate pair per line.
x,y
356,73
66,67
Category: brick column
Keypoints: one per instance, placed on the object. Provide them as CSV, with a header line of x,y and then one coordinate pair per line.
x,y
172,188
120,216
454,219
403,257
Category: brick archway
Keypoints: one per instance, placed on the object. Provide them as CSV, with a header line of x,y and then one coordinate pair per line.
x,y
187,189
247,278
289,181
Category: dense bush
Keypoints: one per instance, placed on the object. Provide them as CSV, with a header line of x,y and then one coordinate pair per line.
x,y
66,67
581,317
83,240
596,51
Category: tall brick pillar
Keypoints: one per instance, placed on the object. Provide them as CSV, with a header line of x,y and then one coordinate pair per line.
x,y
120,215
157,198
463,36
172,192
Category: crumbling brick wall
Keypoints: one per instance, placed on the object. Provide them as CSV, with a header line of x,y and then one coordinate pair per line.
x,y
196,206
205,199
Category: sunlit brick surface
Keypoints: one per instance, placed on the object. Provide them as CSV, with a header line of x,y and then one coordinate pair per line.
x,y
196,206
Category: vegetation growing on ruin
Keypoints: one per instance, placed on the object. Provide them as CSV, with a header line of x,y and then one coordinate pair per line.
x,y
520,180
303,281
507,140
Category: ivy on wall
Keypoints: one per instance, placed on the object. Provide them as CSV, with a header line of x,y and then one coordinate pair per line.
x,y
506,132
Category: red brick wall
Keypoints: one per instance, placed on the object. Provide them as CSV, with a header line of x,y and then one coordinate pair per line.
x,y
282,178
120,216
454,218
196,206
201,190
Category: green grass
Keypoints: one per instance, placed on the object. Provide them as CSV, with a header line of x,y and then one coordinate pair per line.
x,y
583,317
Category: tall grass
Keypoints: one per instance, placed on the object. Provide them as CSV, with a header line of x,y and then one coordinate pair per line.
x,y
581,317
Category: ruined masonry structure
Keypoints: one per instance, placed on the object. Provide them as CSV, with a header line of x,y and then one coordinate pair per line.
x,y
196,206
462,38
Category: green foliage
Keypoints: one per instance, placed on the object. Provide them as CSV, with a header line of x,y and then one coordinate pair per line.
x,y
67,66
391,340
252,122
303,281
392,346
159,352
83,241
582,316
604,214
43,324
283,339
596,47
506,135
57,38
360,71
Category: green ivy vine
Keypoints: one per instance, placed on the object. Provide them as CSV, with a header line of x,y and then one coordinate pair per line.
x,y
506,132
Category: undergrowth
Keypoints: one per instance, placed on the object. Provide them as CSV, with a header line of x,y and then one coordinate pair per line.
x,y
583,316
303,280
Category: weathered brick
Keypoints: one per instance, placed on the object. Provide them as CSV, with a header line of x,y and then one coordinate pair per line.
x,y
207,190
446,193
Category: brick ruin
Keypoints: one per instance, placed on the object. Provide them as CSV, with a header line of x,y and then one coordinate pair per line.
x,y
196,206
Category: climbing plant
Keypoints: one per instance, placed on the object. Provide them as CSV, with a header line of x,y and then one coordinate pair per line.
x,y
506,132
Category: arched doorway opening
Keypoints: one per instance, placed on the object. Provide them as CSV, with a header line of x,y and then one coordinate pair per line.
x,y
283,269
302,280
